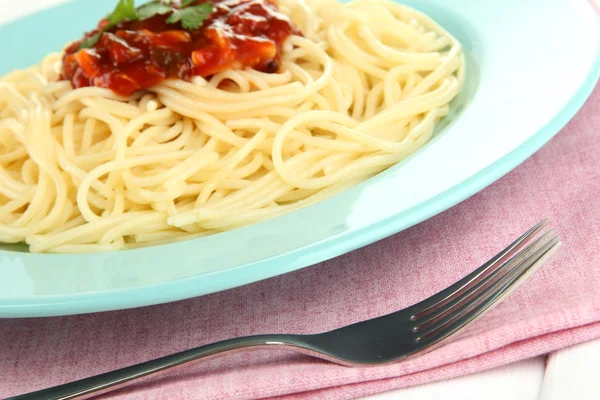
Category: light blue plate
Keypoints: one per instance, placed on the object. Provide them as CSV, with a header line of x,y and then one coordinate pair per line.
x,y
531,67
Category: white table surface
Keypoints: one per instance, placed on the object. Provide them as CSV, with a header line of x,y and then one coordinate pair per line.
x,y
573,373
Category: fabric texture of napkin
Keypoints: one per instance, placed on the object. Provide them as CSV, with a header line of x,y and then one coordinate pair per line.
x,y
557,307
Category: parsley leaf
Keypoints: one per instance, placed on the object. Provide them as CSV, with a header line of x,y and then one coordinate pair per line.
x,y
149,10
191,17
92,40
124,10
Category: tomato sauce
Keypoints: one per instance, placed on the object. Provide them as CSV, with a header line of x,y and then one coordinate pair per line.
x,y
139,54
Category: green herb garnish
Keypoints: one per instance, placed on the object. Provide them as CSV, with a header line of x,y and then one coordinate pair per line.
x,y
190,16
151,9
124,10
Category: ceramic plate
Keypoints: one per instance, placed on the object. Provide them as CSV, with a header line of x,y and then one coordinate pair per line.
x,y
530,69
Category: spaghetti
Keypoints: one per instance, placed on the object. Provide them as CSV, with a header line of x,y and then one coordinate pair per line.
x,y
89,170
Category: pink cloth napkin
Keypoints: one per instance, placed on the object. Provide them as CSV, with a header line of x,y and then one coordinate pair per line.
x,y
558,307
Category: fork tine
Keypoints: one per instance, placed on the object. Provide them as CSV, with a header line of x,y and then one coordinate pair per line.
x,y
495,294
440,299
485,289
463,297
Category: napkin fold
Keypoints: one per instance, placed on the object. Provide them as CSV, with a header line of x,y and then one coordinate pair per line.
x,y
558,307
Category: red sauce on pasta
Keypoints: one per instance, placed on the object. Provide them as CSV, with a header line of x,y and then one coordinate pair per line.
x,y
135,55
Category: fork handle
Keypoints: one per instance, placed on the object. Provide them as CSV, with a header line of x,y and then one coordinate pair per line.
x,y
109,381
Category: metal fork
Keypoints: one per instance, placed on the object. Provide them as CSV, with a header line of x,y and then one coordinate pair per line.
x,y
405,333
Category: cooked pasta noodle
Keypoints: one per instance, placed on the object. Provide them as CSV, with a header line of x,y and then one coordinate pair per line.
x,y
87,170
